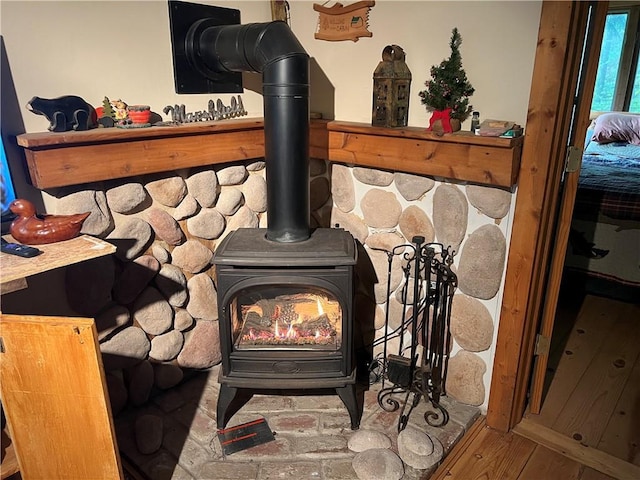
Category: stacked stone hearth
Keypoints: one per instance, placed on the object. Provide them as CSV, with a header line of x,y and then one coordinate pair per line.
x,y
155,302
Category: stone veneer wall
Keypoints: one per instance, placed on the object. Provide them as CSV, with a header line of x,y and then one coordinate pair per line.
x,y
155,302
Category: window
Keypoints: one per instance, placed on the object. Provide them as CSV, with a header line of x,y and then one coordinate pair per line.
x,y
617,81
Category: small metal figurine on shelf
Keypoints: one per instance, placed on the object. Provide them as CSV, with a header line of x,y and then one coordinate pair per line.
x,y
418,368
391,86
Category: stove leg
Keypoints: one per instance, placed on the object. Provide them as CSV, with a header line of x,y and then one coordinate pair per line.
x,y
230,400
348,396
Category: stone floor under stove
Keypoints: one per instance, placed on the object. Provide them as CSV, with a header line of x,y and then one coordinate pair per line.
x,y
311,434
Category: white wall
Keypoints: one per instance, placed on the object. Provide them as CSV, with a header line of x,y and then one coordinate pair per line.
x,y
123,50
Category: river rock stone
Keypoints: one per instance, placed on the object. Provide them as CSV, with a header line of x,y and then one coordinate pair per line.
x,y
203,186
493,202
172,283
351,223
380,263
165,226
167,346
187,208
192,256
317,166
208,223
126,348
243,218
321,217
233,175
364,439
381,209
396,312
384,241
88,285
450,215
256,166
342,188
419,450
166,375
169,191
99,222
465,381
482,262
378,464
230,201
203,301
111,319
201,347
182,320
255,193
148,431
126,198
380,318
372,176
471,323
140,382
118,394
412,187
160,253
319,192
135,276
131,238
414,221
152,312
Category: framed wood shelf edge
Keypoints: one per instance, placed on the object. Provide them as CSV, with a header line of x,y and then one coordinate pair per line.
x,y
74,158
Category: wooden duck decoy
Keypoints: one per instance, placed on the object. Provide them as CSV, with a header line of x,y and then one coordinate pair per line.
x,y
32,229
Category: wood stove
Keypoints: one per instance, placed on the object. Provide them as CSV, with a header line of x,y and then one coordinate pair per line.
x,y
286,316
285,293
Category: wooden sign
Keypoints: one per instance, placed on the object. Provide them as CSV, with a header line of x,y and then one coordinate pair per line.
x,y
338,22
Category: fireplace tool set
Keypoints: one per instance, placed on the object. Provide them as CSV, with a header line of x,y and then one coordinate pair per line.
x,y
418,368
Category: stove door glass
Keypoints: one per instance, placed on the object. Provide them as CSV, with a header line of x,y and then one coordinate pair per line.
x,y
284,317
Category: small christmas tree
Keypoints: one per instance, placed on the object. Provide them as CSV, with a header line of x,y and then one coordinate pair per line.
x,y
449,87
108,110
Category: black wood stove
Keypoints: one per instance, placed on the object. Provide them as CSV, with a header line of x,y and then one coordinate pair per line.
x,y
285,293
286,316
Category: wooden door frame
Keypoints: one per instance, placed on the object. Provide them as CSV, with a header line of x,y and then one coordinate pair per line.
x,y
581,121
559,47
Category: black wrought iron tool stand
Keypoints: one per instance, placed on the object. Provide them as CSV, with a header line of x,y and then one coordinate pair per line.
x,y
418,369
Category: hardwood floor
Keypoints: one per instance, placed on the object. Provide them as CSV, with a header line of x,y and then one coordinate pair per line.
x,y
589,426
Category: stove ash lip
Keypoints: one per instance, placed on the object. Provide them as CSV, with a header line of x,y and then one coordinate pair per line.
x,y
273,50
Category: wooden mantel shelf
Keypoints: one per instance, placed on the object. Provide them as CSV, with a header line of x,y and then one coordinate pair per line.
x,y
74,158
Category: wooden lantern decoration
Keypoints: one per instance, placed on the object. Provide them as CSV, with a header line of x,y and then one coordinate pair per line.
x,y
391,85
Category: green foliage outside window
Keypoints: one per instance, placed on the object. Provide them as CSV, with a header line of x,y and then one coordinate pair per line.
x,y
606,96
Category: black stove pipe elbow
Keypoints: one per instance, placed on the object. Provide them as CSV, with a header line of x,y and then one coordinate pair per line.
x,y
273,50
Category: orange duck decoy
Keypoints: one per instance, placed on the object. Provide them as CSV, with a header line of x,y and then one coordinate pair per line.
x,y
32,229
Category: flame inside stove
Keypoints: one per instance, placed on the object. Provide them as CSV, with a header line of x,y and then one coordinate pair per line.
x,y
290,320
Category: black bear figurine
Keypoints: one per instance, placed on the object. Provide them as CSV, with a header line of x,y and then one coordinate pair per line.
x,y
64,113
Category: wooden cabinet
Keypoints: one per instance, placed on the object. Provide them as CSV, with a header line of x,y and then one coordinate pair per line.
x,y
53,386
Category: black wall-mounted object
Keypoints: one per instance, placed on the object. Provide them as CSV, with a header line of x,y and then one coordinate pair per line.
x,y
187,21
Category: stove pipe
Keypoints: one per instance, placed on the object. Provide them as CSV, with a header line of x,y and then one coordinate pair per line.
x,y
273,50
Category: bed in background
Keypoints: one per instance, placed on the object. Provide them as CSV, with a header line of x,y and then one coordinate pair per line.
x,y
604,244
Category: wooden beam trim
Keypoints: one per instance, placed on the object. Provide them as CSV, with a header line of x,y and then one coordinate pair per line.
x,y
474,163
513,340
86,163
74,158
